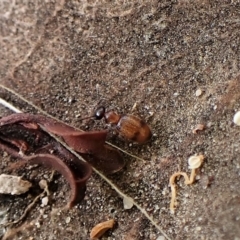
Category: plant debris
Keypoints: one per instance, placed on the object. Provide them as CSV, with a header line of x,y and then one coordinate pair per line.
x,y
13,185
101,228
199,127
27,136
194,162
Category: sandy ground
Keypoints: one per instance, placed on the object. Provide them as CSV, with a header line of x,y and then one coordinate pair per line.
x,y
66,56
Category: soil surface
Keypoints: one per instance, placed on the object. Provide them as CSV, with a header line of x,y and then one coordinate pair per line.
x,y
146,58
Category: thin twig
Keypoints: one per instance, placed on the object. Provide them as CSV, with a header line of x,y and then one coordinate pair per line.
x,y
9,106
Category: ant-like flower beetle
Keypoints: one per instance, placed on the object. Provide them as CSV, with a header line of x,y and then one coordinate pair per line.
x,y
128,126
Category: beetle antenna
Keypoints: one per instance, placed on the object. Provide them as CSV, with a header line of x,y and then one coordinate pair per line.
x,y
81,119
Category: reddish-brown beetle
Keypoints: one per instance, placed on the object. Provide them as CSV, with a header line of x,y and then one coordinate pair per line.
x,y
129,127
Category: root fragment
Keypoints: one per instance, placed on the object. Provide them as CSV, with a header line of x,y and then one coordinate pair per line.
x,y
194,163
29,207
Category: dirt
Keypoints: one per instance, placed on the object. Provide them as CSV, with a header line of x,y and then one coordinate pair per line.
x,y
67,56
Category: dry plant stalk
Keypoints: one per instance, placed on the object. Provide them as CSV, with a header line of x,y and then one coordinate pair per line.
x,y
194,163
101,228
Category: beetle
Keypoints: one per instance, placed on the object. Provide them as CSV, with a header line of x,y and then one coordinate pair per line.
x,y
128,126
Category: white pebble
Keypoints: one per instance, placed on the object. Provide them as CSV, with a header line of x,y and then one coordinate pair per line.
x,y
127,203
38,224
160,238
198,93
68,219
43,184
236,118
44,201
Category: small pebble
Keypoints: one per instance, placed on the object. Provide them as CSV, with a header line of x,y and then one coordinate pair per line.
x,y
127,203
198,93
43,184
160,238
38,224
236,118
5,154
44,201
68,219
206,181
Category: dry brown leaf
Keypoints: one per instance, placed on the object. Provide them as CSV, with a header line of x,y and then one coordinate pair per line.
x,y
101,228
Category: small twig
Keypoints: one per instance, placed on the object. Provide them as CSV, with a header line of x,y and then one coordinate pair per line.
x,y
9,106
125,152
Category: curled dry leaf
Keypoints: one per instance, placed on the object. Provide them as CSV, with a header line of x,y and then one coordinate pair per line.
x,y
26,136
101,228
